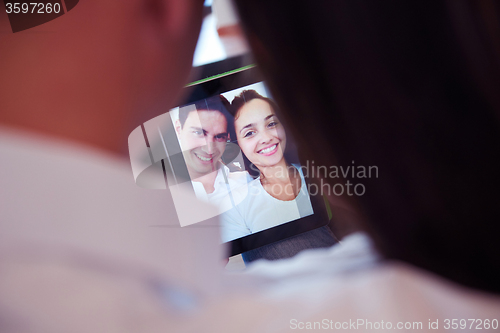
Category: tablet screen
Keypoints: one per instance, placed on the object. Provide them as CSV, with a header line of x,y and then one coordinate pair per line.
x,y
227,146
235,150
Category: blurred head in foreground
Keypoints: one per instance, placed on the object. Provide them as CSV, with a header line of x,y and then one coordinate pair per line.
x,y
95,73
412,88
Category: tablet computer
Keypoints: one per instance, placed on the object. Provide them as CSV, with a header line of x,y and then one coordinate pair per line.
x,y
226,145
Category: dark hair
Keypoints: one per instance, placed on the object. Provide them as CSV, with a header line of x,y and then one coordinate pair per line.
x,y
215,103
411,87
246,96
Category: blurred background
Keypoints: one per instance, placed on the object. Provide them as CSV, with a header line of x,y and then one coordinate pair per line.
x,y
221,46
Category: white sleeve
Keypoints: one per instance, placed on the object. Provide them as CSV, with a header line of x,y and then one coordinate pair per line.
x,y
233,225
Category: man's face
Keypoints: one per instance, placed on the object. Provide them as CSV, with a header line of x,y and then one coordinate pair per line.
x,y
203,140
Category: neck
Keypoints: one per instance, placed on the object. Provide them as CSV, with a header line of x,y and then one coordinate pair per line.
x,y
207,180
79,94
278,173
78,115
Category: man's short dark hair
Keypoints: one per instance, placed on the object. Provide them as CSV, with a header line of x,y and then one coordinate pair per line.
x,y
215,103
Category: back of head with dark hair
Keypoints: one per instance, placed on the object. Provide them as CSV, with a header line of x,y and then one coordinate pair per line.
x,y
411,87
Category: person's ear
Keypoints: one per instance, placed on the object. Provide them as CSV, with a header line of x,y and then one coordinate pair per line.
x,y
178,126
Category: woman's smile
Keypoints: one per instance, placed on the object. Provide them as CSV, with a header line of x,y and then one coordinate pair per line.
x,y
270,150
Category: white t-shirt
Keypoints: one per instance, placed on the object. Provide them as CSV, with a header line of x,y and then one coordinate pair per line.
x,y
348,288
84,249
225,183
258,210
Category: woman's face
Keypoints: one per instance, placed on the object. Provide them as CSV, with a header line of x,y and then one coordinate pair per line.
x,y
260,135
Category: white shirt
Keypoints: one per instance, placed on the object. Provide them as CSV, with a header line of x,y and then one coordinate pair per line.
x,y
84,249
257,210
225,182
353,253
347,287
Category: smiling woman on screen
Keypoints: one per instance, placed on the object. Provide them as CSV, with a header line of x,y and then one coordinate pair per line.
x,y
279,194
